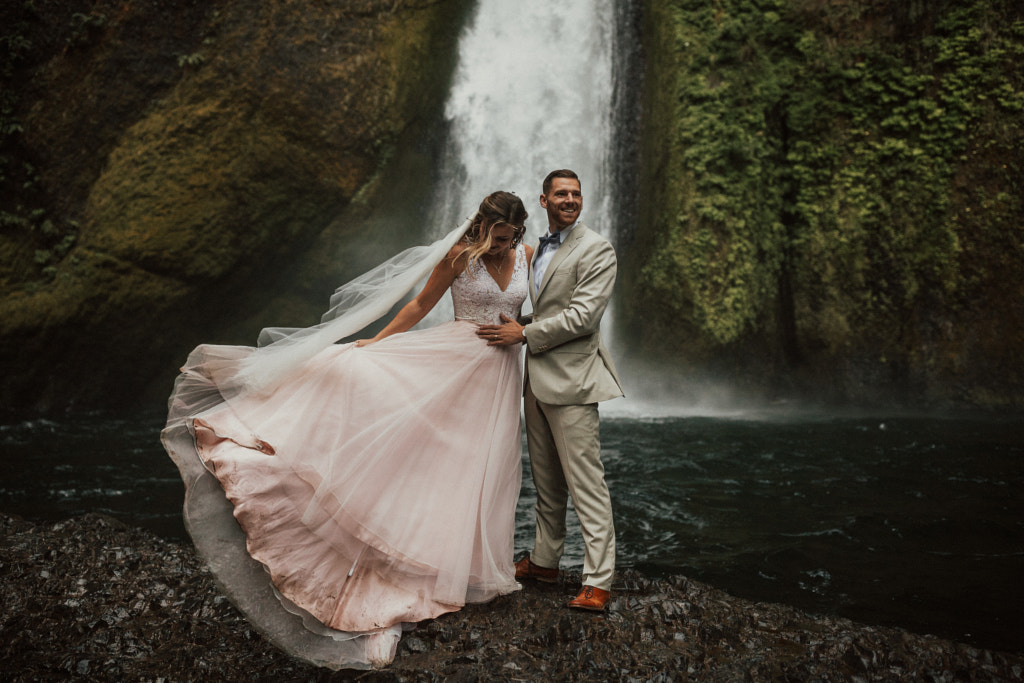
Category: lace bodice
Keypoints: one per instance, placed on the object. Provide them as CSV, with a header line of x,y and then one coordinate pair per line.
x,y
476,295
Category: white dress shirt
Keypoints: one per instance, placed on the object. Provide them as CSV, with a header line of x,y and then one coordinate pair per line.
x,y
545,253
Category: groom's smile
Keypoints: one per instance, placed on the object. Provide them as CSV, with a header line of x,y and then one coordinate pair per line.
x,y
563,202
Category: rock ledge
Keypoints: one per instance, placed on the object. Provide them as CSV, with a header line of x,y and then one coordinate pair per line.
x,y
92,598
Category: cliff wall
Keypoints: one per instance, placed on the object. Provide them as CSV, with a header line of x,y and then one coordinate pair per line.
x,y
166,167
829,201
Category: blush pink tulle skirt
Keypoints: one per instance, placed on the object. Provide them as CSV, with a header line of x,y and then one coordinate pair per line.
x,y
375,486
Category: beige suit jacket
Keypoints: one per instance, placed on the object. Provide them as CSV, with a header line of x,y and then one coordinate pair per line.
x,y
566,361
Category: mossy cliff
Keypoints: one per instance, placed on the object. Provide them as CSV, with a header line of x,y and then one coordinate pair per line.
x,y
830,198
163,163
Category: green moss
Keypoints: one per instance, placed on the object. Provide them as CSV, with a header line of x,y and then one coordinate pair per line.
x,y
196,188
811,192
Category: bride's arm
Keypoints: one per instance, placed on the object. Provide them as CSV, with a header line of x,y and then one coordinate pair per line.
x,y
440,280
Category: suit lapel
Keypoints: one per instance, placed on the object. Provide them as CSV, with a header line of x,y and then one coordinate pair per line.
x,y
529,279
560,256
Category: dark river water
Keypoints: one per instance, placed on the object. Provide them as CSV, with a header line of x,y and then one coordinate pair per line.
x,y
908,521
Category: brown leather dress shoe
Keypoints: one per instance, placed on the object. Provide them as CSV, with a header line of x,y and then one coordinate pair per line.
x,y
528,570
590,598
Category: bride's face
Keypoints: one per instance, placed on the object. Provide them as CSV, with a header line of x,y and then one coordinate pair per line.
x,y
501,239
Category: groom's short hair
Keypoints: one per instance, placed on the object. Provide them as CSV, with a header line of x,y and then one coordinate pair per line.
x,y
560,173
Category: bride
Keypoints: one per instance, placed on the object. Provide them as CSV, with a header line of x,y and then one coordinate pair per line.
x,y
339,491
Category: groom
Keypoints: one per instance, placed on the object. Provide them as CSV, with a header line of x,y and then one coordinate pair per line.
x,y
568,370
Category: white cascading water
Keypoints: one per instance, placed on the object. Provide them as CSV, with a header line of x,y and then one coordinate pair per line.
x,y
532,92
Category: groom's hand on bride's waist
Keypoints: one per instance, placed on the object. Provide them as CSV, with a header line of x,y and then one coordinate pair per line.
x,y
508,333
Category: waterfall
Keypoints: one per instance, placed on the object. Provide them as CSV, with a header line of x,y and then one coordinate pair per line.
x,y
532,92
541,85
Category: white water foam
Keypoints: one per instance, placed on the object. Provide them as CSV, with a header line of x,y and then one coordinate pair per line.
x,y
532,92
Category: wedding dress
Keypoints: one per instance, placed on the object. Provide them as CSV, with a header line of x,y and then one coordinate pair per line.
x,y
373,487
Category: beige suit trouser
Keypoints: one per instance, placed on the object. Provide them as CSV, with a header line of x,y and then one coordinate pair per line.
x,y
565,458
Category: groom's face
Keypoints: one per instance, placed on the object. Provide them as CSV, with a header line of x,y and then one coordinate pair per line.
x,y
563,202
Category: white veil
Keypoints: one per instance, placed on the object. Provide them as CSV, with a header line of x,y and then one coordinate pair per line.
x,y
354,305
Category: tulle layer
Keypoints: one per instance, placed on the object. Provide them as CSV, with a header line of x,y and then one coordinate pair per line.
x,y
375,486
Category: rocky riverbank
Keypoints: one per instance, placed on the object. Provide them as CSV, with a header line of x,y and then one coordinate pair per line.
x,y
90,598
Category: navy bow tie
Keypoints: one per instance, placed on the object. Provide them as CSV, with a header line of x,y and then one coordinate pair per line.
x,y
550,239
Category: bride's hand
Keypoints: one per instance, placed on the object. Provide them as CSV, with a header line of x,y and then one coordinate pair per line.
x,y
364,342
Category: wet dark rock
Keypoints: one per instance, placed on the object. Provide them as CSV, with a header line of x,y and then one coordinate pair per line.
x,y
91,598
211,147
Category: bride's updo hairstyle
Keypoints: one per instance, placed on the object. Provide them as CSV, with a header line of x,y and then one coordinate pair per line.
x,y
497,208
